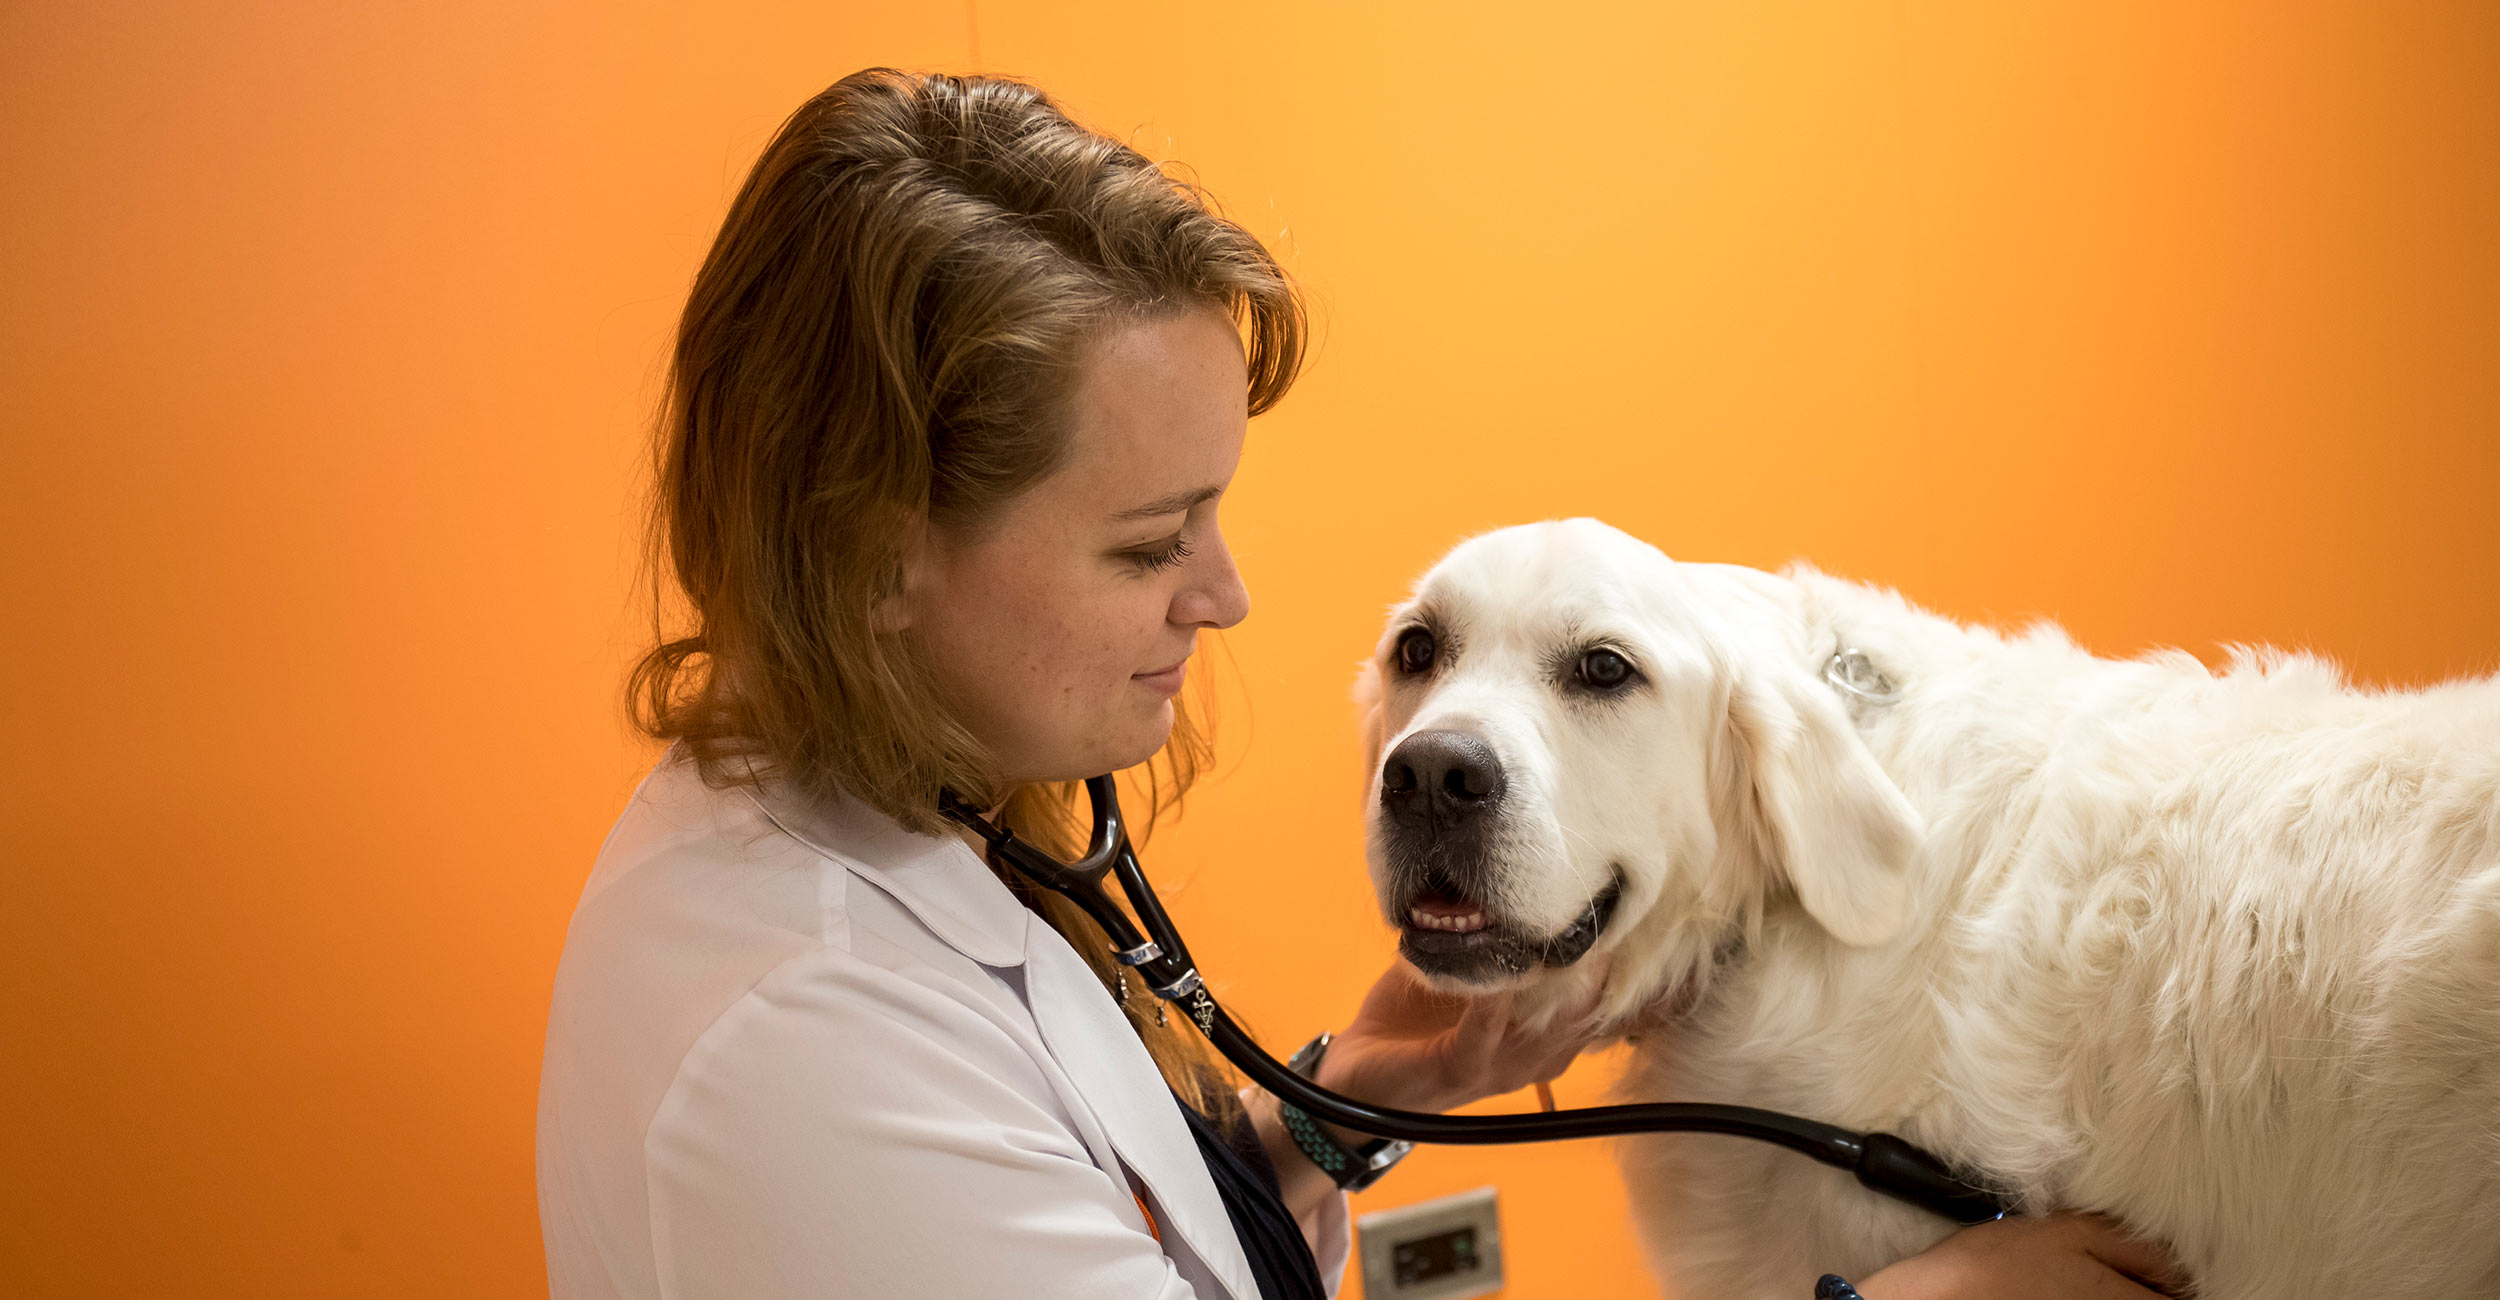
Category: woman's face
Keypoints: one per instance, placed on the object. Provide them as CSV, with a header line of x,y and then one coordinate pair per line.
x,y
1062,630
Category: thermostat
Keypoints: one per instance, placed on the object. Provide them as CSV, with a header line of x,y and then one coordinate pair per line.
x,y
1445,1249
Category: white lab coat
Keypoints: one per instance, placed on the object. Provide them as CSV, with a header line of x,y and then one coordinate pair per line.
x,y
800,1051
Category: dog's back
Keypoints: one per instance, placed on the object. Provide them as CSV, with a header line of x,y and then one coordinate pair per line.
x,y
2217,953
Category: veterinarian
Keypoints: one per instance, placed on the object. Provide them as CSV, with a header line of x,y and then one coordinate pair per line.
x,y
952,406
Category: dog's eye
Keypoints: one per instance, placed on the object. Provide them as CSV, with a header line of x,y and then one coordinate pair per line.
x,y
1415,650
1604,670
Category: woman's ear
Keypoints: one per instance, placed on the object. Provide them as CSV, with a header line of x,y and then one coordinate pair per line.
x,y
1832,823
897,609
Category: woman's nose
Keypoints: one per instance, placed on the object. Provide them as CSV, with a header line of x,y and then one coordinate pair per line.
x,y
1215,597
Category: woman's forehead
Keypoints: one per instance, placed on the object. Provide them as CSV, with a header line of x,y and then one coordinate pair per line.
x,y
1158,415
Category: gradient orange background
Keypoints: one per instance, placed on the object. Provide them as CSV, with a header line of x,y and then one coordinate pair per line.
x,y
330,332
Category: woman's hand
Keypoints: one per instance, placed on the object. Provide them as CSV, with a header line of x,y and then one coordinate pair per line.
x,y
2062,1256
1410,1048
1414,1049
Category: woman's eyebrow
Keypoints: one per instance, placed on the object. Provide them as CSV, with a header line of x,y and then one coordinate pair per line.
x,y
1172,504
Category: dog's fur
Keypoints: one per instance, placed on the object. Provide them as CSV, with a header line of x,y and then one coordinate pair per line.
x,y
2217,953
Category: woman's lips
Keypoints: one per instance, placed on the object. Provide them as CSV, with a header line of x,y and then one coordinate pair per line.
x,y
1166,680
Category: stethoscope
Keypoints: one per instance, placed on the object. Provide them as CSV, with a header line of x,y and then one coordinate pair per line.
x,y
1879,1160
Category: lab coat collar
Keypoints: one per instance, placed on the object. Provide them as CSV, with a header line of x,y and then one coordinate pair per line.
x,y
937,878
1110,1068
944,884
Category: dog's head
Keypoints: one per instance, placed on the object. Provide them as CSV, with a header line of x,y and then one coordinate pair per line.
x,y
1579,745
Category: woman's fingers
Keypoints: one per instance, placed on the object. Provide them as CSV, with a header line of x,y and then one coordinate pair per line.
x,y
1518,1056
1484,1043
1444,1050
2063,1256
1400,998
2110,1243
1558,1059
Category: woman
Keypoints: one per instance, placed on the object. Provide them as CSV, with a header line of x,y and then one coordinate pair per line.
x,y
953,405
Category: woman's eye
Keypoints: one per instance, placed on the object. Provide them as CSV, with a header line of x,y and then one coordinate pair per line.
x,y
1162,557
1604,670
1415,650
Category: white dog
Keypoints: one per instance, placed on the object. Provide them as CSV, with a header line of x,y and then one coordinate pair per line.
x,y
2216,954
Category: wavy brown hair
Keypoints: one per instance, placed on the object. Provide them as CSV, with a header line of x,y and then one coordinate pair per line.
x,y
885,336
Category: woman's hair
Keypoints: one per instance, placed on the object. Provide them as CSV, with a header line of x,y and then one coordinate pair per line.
x,y
885,336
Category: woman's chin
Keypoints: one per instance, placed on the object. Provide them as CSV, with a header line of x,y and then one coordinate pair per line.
x,y
1128,747
1147,739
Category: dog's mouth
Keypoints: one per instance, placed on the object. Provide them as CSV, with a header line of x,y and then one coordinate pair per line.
x,y
1447,932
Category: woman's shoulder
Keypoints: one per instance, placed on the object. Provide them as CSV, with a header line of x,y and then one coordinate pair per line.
x,y
720,959
704,896
753,855
689,868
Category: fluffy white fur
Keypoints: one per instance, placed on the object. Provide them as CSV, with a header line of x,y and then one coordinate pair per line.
x,y
2218,953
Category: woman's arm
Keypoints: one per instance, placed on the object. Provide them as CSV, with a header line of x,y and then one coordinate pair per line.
x,y
847,1130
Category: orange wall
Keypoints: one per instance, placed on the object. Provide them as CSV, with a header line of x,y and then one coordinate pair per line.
x,y
327,332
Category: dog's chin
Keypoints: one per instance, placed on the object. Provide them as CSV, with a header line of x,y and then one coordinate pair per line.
x,y
1453,940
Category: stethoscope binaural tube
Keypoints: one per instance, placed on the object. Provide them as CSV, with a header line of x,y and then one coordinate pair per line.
x,y
1880,1161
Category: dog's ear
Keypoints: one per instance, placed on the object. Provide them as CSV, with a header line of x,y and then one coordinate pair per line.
x,y
1825,814
1372,725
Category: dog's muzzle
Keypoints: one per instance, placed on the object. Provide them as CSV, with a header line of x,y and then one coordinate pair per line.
x,y
1491,950
1440,797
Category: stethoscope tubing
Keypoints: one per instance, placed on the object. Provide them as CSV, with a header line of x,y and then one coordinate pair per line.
x,y
1880,1161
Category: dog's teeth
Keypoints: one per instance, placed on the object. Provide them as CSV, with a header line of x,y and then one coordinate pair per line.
x,y
1464,923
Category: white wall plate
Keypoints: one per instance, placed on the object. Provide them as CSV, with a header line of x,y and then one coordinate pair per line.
x,y
1445,1249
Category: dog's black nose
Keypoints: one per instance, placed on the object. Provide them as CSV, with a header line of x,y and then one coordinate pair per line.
x,y
1439,777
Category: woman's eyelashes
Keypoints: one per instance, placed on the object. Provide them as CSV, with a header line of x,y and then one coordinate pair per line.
x,y
1155,559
